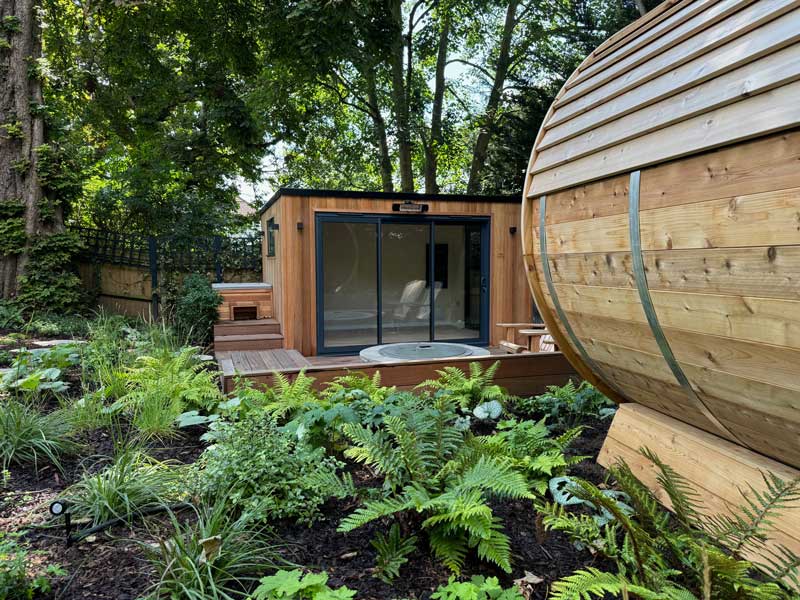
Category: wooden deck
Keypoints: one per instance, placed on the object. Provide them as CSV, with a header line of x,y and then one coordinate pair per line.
x,y
521,374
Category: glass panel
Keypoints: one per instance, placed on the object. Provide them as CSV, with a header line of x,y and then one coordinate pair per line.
x,y
350,284
458,282
405,292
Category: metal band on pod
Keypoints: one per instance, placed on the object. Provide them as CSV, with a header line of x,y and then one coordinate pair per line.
x,y
548,278
640,276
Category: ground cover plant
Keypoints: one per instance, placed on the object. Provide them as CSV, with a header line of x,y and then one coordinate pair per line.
x,y
353,490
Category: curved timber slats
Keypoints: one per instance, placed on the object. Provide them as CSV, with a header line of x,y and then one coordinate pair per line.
x,y
681,293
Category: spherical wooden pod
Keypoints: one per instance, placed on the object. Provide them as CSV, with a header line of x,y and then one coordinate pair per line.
x,y
661,219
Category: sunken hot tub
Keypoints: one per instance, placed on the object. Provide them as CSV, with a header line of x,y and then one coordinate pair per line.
x,y
420,351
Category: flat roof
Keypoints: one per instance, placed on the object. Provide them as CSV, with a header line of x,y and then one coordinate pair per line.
x,y
287,191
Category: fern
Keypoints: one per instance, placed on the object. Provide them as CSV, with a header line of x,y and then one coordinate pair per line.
x,y
392,552
594,583
749,527
468,389
290,396
354,386
652,548
684,499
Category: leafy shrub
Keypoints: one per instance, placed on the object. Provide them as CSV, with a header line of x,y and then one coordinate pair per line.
x,y
688,555
28,436
196,309
352,398
132,482
568,406
215,556
41,369
14,566
468,389
264,471
296,586
433,467
477,588
57,325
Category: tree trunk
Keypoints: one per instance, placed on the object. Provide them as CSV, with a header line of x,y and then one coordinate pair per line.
x,y
385,161
641,7
435,139
400,101
21,133
481,147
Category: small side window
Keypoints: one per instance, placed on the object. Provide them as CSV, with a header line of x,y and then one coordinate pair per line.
x,y
271,237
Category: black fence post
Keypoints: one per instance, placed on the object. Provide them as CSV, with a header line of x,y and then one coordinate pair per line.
x,y
217,249
152,244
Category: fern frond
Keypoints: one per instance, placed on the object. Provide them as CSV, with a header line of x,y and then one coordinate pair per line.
x,y
496,547
749,527
684,498
593,583
371,511
497,476
451,550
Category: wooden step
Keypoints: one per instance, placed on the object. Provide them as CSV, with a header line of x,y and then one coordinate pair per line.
x,y
251,341
248,327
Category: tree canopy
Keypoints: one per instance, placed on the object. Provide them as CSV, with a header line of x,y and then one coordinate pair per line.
x,y
143,115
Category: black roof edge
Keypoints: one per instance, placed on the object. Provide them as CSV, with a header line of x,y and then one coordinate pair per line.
x,y
287,191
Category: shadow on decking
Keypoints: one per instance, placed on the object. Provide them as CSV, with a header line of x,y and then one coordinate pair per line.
x,y
521,374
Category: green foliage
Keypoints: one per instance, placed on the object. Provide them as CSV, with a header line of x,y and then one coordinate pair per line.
x,y
258,469
294,585
289,396
392,552
15,581
161,386
432,466
40,370
12,235
28,436
196,309
133,481
530,448
49,282
659,556
13,130
468,389
214,556
10,315
11,24
56,325
569,405
477,588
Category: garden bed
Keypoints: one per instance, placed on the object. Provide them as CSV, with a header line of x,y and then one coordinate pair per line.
x,y
358,490
113,564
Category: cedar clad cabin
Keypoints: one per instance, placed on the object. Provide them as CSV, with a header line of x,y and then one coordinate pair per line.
x,y
661,233
355,269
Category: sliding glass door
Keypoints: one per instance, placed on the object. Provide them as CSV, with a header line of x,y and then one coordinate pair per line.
x,y
378,277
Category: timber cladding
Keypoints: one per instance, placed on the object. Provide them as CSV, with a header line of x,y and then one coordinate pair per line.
x,y
661,219
292,267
